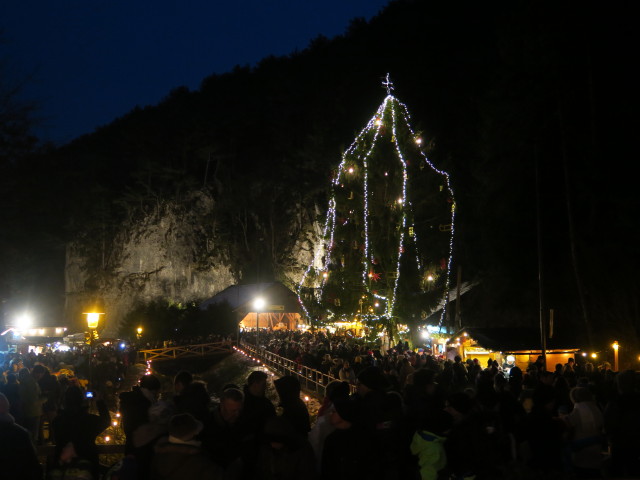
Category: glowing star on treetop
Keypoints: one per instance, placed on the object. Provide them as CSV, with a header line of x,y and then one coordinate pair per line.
x,y
389,221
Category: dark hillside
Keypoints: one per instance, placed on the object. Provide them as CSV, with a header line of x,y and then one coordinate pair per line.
x,y
497,88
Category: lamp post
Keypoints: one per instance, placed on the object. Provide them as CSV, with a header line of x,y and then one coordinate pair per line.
x,y
258,304
615,355
93,320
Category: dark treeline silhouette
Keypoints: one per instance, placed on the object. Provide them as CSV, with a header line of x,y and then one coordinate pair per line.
x,y
496,89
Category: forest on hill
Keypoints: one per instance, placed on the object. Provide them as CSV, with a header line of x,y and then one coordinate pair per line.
x,y
525,104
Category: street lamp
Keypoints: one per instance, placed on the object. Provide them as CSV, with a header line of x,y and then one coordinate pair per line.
x,y
615,354
93,320
139,333
258,304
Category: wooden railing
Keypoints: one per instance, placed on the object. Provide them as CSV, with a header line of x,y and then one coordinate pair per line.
x,y
181,351
311,380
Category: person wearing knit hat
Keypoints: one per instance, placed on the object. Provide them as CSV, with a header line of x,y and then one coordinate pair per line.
x,y
371,378
335,391
371,397
459,404
344,411
184,427
180,456
293,408
347,450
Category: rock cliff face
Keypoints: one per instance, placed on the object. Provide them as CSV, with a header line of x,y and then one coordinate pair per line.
x,y
171,254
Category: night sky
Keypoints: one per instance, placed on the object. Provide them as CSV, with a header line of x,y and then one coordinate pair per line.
x,y
89,62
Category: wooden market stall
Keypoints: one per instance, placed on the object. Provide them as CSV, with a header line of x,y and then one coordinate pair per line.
x,y
508,345
281,309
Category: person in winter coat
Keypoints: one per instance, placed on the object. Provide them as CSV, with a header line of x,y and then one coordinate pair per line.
x,y
224,437
257,407
17,454
180,456
11,390
31,403
622,423
293,408
282,454
134,406
335,391
347,451
586,425
75,429
347,374
428,443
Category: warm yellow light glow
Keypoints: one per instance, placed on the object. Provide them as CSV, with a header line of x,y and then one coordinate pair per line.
x,y
615,345
325,274
400,201
594,355
107,439
378,121
259,303
350,170
419,141
24,321
93,319
139,330
430,279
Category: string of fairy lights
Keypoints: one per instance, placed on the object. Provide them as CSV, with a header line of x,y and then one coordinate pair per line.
x,y
390,112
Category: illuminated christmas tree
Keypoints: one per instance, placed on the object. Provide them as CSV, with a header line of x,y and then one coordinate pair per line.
x,y
387,239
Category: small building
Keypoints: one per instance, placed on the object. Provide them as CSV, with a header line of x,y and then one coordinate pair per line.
x,y
24,340
281,310
509,345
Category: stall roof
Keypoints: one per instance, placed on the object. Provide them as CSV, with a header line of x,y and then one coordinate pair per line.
x,y
240,298
512,339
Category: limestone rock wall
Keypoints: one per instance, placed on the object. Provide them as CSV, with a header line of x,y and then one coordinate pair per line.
x,y
170,254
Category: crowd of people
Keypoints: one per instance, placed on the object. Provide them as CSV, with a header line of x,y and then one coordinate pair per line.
x,y
394,414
